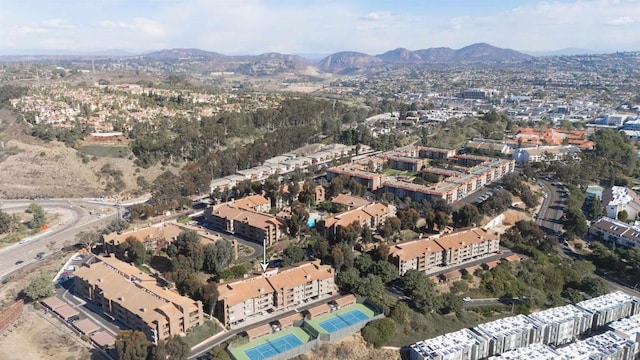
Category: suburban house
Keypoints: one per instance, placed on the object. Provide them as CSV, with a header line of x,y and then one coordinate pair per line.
x,y
134,298
275,290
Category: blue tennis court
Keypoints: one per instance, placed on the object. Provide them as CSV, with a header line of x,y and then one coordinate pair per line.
x,y
342,321
273,347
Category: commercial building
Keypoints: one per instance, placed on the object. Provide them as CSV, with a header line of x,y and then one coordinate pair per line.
x,y
606,346
628,328
564,324
531,352
545,153
459,345
510,333
443,250
610,307
621,233
244,217
275,290
135,299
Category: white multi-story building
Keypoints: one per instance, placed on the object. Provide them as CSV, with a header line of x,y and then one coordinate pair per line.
x,y
459,345
610,307
606,346
563,324
510,333
531,352
628,328
619,198
621,233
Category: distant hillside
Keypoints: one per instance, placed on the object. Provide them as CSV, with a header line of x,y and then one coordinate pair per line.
x,y
173,54
481,52
346,59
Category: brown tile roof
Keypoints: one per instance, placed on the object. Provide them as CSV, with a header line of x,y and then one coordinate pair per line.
x,y
253,218
259,331
236,292
346,300
289,320
464,238
103,339
376,209
319,310
251,202
86,326
66,312
53,302
350,201
513,258
415,248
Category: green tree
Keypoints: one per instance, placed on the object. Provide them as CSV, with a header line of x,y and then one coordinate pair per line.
x,y
134,250
466,216
623,216
116,225
217,256
450,303
87,239
337,257
209,295
132,345
41,286
594,286
377,332
292,254
400,312
176,348
6,222
187,244
38,214
349,278
421,289
408,218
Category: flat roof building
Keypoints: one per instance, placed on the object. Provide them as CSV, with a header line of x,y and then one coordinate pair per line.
x,y
604,346
531,352
610,307
510,333
563,324
628,328
463,344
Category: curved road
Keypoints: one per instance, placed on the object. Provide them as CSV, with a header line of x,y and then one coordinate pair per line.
x,y
551,210
75,217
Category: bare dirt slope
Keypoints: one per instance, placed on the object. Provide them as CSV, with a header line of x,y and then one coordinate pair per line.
x,y
30,167
353,348
36,338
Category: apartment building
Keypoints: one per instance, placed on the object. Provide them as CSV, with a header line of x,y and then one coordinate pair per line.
x,y
275,290
510,333
530,352
619,198
606,346
372,215
444,250
158,236
135,299
460,345
564,324
621,233
545,153
243,217
628,328
610,307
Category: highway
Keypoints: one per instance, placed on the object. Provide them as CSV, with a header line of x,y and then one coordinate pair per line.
x,y
73,217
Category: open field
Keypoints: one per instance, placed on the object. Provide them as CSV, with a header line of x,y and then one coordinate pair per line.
x,y
106,151
353,348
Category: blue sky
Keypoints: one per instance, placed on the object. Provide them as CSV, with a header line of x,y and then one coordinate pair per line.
x,y
317,26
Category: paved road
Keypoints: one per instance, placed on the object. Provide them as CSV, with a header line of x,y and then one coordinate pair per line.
x,y
75,217
551,210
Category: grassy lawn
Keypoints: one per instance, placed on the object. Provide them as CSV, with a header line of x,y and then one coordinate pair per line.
x,y
203,332
394,172
109,151
421,327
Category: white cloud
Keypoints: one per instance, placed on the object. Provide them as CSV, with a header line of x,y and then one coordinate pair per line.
x,y
56,24
619,21
148,27
108,24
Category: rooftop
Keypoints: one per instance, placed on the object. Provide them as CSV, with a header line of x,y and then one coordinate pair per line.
x,y
558,314
607,301
531,352
506,326
447,343
629,326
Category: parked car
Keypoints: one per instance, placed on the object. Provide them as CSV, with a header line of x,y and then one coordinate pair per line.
x,y
40,255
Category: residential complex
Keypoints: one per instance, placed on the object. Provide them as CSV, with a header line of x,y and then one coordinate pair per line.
x,y
464,344
443,250
157,237
510,333
563,324
619,198
551,334
466,173
135,299
545,153
275,290
610,307
621,233
361,211
244,217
